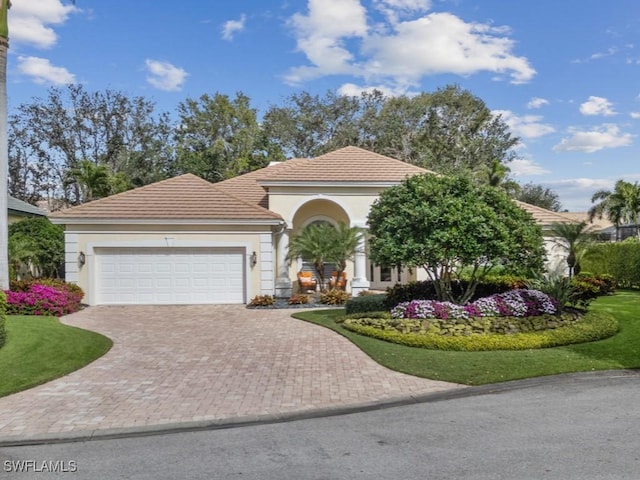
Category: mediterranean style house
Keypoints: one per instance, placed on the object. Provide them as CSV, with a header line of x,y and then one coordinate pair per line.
x,y
187,241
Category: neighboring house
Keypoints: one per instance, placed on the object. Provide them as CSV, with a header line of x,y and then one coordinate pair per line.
x,y
605,230
185,240
18,210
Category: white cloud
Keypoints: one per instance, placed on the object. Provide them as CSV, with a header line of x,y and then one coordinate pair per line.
x,y
635,115
41,71
165,76
393,10
605,136
522,167
336,39
353,90
30,21
575,193
231,27
537,102
321,34
597,106
527,126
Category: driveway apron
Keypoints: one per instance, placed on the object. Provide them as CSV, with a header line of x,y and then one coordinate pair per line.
x,y
182,364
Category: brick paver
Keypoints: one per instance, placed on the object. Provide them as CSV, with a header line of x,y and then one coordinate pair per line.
x,y
174,364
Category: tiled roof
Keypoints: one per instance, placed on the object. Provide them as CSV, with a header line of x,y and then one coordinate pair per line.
x,y
20,207
348,164
596,224
186,197
545,217
246,186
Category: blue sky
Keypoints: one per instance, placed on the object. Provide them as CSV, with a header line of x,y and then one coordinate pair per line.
x,y
564,74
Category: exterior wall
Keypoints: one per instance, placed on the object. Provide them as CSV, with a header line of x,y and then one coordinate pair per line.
x,y
86,238
300,206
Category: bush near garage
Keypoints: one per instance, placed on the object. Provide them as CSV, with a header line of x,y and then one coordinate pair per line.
x,y
3,309
43,297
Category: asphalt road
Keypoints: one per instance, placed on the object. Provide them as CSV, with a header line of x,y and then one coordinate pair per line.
x,y
569,427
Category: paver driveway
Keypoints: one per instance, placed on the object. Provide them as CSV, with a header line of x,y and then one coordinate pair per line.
x,y
175,364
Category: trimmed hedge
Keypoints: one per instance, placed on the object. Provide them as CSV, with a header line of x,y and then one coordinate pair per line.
x,y
619,259
366,303
43,297
594,326
424,290
3,310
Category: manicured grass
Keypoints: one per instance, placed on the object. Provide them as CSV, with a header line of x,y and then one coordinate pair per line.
x,y
477,368
39,349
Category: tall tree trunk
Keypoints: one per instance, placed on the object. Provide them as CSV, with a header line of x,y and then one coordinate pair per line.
x,y
4,149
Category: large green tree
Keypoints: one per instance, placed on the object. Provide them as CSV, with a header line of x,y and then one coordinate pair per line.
x,y
539,196
51,136
219,137
449,130
450,224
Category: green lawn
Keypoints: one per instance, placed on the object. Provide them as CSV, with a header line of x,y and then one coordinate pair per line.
x,y
39,349
477,368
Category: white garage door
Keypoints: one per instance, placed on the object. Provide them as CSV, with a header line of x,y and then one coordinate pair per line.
x,y
154,276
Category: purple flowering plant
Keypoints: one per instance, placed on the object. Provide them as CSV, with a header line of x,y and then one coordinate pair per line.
x,y
514,303
43,300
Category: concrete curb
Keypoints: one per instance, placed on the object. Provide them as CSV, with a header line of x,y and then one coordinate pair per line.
x,y
462,392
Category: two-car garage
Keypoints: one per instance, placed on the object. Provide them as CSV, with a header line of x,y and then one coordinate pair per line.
x,y
170,276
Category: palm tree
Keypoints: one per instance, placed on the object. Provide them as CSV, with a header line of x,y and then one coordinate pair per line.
x,y
4,152
344,243
21,254
94,180
575,239
620,206
313,244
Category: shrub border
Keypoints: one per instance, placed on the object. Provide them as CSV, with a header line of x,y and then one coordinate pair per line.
x,y
594,326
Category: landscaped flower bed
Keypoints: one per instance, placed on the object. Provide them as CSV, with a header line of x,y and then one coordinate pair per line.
x,y
514,303
56,299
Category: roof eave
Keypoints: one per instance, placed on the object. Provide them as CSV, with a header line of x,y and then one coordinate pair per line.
x,y
164,221
324,183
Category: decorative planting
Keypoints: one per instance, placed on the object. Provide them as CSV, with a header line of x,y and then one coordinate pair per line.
x,y
36,299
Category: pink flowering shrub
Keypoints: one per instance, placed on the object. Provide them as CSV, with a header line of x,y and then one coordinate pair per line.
x,y
39,299
514,303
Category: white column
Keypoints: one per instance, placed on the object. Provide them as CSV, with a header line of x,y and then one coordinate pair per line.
x,y
283,282
360,281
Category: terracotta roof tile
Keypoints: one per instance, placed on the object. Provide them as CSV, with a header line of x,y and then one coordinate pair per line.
x,y
597,223
348,164
185,197
545,217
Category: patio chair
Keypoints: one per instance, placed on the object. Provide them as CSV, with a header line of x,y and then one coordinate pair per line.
x,y
339,283
306,281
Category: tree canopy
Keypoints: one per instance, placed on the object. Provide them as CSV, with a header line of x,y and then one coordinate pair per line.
x,y
450,224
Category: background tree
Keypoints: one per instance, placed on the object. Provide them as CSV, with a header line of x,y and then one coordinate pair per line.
x,y
46,242
218,138
449,131
575,239
539,196
449,224
620,206
50,137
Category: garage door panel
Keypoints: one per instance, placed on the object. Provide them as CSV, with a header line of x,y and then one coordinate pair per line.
x,y
169,275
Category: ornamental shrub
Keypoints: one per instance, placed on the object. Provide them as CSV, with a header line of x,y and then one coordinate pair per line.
x,y
618,259
594,326
262,301
425,290
334,297
366,303
3,309
38,299
514,303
